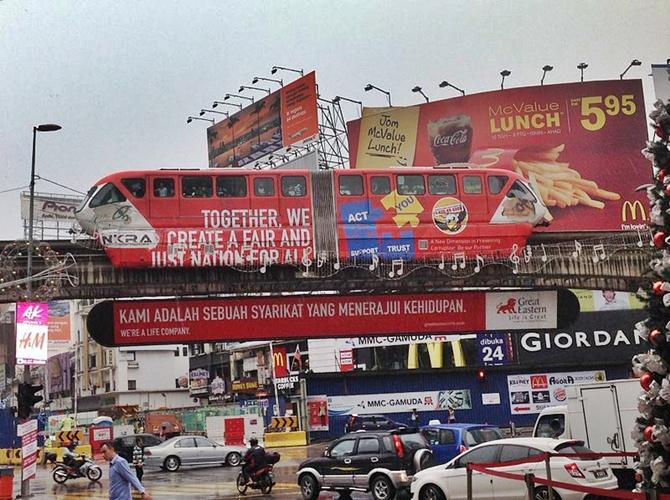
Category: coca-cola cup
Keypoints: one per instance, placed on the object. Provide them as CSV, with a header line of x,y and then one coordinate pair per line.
x,y
451,139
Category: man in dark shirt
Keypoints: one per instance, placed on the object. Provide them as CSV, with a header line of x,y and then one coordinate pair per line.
x,y
254,459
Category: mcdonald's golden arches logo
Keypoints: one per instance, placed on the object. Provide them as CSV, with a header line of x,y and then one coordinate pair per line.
x,y
631,208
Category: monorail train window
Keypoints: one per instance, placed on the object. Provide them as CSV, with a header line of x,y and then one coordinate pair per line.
x,y
293,185
441,184
472,184
196,187
411,184
163,188
380,184
231,186
351,185
107,194
136,186
264,186
496,183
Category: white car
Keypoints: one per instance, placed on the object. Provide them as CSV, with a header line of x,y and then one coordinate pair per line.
x,y
450,481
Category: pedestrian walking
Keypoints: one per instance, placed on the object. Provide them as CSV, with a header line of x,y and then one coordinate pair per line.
x,y
121,478
452,414
414,418
138,458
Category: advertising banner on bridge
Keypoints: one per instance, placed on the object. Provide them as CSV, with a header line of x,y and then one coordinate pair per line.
x,y
400,402
50,207
284,118
142,322
577,143
532,393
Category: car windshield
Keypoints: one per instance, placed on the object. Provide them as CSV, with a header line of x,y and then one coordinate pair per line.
x,y
577,447
86,198
476,436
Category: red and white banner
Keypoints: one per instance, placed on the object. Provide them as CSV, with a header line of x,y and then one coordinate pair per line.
x,y
28,433
140,322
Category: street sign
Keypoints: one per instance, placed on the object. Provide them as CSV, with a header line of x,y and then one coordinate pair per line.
x,y
63,436
284,422
28,433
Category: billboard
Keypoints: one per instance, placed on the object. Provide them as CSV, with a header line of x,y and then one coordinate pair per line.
x,y
284,118
578,144
59,321
50,207
532,393
32,325
661,75
142,322
59,373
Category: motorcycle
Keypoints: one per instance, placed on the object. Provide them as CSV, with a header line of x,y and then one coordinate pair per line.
x,y
62,472
262,479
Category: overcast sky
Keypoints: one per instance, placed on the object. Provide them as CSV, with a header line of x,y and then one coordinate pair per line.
x,y
121,77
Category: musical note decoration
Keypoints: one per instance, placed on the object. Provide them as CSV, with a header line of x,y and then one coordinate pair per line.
x,y
440,266
321,259
544,257
598,253
480,263
459,261
374,263
515,259
397,268
578,250
527,253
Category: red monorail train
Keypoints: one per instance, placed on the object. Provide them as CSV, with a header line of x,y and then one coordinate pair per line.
x,y
175,218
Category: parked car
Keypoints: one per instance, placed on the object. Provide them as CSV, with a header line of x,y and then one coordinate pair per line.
x,y
381,462
180,451
371,423
450,481
449,440
124,445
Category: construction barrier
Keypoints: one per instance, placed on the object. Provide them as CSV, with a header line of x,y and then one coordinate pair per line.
x,y
284,422
280,439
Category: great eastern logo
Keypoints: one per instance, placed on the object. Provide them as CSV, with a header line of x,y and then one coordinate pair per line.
x,y
508,308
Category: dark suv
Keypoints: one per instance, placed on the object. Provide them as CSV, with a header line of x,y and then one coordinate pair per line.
x,y
371,423
379,462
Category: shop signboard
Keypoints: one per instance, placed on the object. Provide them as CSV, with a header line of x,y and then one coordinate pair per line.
x,y
577,143
532,393
32,326
495,349
199,381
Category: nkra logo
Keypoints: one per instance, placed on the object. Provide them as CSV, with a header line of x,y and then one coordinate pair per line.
x,y
129,239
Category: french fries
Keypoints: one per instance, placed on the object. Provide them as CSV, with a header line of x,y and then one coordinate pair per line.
x,y
558,184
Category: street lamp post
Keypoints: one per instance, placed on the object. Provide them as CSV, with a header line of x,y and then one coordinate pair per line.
x,y
504,73
545,69
581,67
369,87
634,62
420,91
47,127
445,83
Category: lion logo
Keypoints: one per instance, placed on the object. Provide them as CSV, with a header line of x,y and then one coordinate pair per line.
x,y
509,308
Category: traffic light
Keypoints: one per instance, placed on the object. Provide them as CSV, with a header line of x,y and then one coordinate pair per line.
x,y
481,374
27,398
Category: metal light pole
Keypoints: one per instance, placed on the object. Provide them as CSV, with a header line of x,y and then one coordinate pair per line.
x,y
47,127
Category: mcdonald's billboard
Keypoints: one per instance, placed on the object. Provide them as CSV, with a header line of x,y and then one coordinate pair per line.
x,y
578,144
280,362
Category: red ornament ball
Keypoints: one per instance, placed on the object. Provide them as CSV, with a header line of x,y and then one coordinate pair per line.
x,y
645,380
649,433
667,190
655,336
658,288
659,237
661,175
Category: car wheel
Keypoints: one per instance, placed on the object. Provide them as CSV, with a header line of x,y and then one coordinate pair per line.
x,y
543,494
382,488
309,487
431,492
172,463
233,459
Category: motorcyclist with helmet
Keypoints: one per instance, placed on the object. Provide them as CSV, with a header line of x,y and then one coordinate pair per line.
x,y
254,459
70,458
